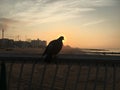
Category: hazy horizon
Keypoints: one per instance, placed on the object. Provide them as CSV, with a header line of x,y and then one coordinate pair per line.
x,y
83,23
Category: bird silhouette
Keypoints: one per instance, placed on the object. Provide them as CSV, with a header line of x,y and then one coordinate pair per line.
x,y
53,49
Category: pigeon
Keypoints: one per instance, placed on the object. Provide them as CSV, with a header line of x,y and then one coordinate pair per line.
x,y
53,49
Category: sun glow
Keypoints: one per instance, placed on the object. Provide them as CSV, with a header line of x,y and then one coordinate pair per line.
x,y
63,36
79,21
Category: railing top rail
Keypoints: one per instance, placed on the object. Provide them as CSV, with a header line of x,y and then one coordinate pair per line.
x,y
66,59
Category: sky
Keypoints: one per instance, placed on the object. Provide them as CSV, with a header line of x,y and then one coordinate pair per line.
x,y
83,23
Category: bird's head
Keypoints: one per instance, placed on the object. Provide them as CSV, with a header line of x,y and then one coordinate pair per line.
x,y
61,38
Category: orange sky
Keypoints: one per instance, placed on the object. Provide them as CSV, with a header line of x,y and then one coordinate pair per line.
x,y
83,23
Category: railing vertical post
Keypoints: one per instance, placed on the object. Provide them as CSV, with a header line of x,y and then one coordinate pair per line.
x,y
9,77
3,82
114,77
31,76
66,76
78,77
43,75
88,75
97,71
53,81
105,77
20,76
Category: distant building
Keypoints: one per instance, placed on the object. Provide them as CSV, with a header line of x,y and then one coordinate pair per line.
x,y
43,44
38,43
9,43
22,44
6,43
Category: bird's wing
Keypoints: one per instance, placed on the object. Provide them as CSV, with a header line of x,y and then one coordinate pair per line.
x,y
50,47
56,46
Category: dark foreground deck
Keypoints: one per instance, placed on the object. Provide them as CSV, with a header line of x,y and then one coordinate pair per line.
x,y
66,72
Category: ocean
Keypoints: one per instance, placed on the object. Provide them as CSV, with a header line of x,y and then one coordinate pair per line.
x,y
106,51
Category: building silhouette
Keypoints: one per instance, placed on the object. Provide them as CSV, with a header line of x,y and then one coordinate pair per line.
x,y
10,43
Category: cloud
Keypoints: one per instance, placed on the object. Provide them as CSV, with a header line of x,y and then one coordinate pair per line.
x,y
48,10
93,22
6,22
51,11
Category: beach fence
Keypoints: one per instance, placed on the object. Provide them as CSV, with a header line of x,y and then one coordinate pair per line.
x,y
67,72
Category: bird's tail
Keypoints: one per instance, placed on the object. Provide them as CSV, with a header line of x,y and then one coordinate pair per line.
x,y
48,58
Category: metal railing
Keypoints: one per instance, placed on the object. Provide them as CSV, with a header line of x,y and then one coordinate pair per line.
x,y
67,72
